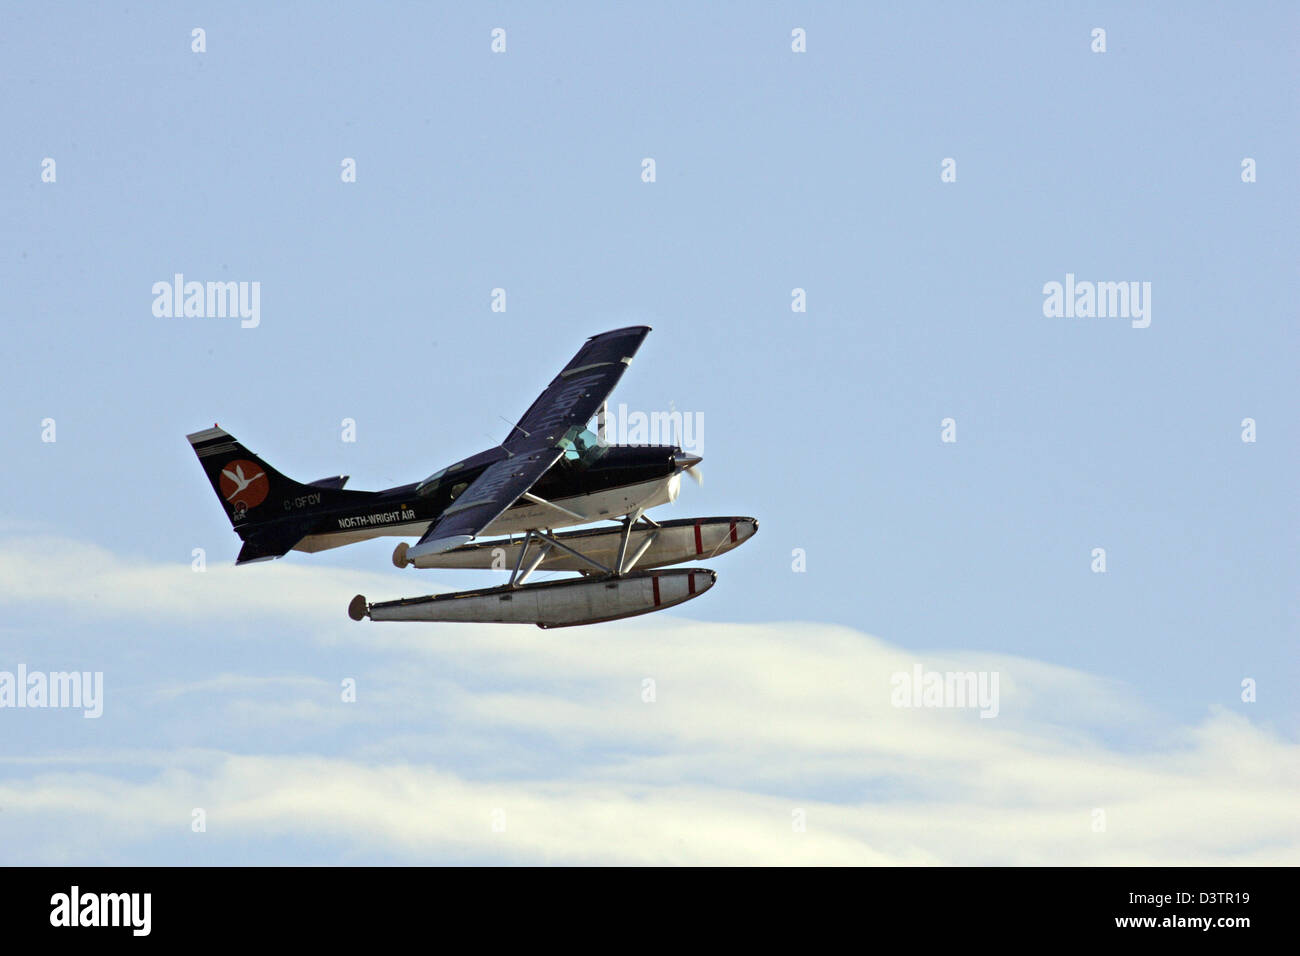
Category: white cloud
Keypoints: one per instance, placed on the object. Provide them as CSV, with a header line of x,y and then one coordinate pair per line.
x,y
750,723
86,578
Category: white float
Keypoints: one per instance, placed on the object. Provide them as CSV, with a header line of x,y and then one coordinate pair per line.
x,y
547,604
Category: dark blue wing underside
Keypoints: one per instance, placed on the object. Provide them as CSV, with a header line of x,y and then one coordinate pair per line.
x,y
575,395
572,398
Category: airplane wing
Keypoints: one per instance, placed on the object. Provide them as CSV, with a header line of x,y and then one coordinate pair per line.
x,y
488,495
571,399
580,388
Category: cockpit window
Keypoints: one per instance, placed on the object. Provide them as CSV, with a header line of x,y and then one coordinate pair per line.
x,y
436,480
581,447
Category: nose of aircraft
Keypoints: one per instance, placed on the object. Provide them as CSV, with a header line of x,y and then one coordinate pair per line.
x,y
684,459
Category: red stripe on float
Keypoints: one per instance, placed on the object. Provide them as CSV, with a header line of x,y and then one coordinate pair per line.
x,y
733,532
654,579
690,582
699,543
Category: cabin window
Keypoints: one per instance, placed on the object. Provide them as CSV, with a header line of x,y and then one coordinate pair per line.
x,y
581,447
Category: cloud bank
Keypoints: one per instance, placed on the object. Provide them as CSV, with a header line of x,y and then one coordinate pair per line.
x,y
653,741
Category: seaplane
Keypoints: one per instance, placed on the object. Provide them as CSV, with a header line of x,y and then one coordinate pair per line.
x,y
499,510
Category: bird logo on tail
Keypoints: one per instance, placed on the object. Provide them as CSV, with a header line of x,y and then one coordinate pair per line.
x,y
244,485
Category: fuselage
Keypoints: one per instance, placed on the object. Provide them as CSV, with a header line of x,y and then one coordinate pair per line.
x,y
616,481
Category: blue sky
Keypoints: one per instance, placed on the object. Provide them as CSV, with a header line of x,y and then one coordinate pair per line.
x,y
774,171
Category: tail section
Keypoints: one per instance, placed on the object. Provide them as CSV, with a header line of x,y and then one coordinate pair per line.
x,y
269,511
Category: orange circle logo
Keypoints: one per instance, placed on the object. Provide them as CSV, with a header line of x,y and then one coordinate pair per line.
x,y
244,485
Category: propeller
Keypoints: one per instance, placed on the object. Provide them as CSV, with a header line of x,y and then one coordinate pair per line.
x,y
685,460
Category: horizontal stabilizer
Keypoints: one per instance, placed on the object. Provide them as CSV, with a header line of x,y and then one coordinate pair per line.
x,y
274,542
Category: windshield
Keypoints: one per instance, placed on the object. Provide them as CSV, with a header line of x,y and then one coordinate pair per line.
x,y
581,446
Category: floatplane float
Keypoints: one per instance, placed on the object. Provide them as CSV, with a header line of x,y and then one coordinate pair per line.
x,y
550,472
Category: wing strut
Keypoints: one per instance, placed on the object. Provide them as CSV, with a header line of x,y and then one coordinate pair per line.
x,y
529,496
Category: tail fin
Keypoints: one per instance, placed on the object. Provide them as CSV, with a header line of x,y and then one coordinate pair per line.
x,y
268,510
